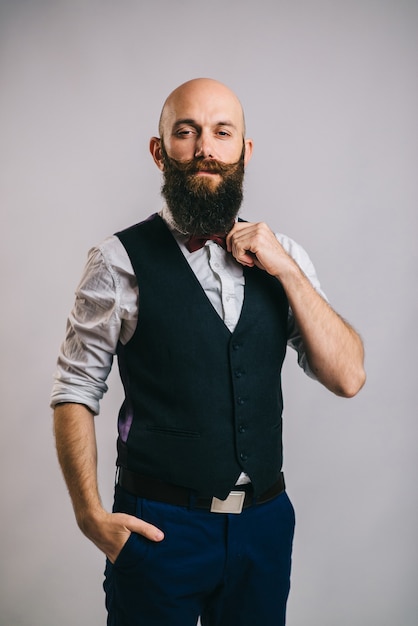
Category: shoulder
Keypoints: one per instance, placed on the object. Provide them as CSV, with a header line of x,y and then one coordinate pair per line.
x,y
294,249
108,253
106,263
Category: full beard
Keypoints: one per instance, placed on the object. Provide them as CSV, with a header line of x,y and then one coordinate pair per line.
x,y
198,206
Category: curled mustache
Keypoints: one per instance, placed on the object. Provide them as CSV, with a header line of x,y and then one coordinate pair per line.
x,y
202,164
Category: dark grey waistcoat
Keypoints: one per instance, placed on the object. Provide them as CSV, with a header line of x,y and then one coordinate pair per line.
x,y
202,404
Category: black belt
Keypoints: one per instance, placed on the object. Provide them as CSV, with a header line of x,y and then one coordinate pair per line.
x,y
155,489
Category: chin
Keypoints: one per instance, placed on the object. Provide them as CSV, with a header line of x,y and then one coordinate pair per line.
x,y
207,182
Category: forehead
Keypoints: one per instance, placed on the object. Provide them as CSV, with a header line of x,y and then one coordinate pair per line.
x,y
204,105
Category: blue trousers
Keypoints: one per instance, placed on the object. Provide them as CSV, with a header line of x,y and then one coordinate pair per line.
x,y
229,569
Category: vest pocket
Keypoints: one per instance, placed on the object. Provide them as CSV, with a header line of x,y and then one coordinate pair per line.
x,y
173,432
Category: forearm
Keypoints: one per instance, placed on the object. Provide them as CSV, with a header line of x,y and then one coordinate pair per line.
x,y
333,348
77,454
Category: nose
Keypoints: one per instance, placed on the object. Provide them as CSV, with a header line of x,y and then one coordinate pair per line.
x,y
204,147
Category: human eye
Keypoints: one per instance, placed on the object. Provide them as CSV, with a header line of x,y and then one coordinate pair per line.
x,y
223,133
184,132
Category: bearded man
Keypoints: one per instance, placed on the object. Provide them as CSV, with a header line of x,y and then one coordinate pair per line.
x,y
199,308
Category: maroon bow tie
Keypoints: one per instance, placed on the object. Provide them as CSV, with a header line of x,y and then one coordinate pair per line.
x,y
195,243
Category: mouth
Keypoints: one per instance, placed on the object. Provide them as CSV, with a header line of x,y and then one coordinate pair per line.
x,y
206,173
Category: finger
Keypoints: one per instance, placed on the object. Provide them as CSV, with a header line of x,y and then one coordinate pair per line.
x,y
237,230
246,258
242,248
139,526
133,525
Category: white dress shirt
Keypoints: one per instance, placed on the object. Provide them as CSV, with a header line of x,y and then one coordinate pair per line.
x,y
108,307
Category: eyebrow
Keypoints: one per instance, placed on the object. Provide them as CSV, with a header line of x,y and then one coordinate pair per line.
x,y
193,122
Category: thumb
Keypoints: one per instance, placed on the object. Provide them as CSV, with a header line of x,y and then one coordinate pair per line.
x,y
139,526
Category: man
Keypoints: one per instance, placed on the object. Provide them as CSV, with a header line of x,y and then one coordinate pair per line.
x,y
201,525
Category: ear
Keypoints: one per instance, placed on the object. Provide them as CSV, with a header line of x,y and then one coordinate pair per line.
x,y
155,149
248,150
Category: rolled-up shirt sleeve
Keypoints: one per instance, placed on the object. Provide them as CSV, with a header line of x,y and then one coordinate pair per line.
x,y
104,312
294,338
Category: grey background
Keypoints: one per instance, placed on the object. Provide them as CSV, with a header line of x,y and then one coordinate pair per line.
x,y
330,93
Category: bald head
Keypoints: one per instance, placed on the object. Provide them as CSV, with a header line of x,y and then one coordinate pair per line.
x,y
201,118
204,94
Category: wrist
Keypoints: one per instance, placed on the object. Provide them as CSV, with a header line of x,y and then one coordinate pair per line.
x,y
289,272
89,519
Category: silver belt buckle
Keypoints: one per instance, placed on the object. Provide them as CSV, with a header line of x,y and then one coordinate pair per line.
x,y
233,503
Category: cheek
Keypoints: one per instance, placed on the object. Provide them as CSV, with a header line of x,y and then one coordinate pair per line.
x,y
230,152
181,151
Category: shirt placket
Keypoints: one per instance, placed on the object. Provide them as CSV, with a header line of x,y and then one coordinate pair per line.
x,y
227,286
